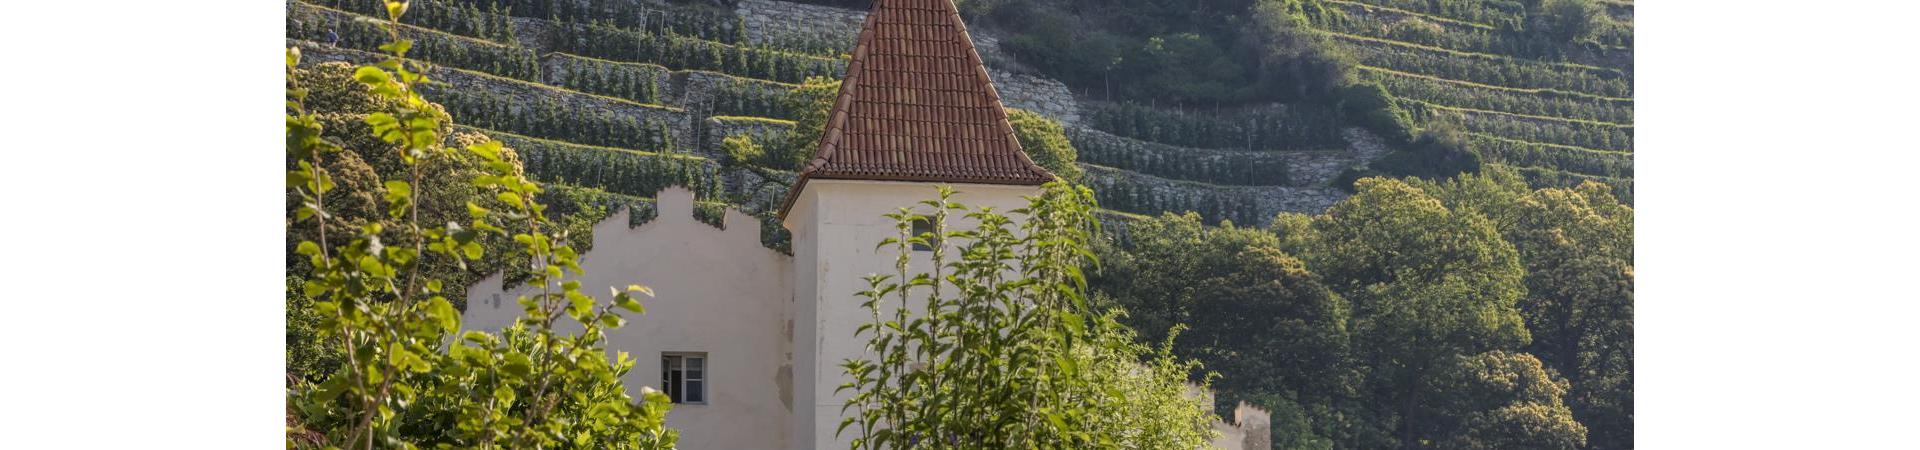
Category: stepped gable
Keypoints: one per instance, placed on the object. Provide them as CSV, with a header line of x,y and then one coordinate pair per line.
x,y
917,105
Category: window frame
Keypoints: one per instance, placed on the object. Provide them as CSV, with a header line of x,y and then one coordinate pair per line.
x,y
919,227
678,394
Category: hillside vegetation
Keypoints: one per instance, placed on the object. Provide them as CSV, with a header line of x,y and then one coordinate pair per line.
x,y
1235,110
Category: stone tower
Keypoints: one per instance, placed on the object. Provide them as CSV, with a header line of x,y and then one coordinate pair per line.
x,y
916,110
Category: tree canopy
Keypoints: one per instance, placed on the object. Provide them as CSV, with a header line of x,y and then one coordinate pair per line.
x,y
1473,312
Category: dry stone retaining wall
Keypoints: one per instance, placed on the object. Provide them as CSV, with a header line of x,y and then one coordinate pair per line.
x,y
1041,95
799,25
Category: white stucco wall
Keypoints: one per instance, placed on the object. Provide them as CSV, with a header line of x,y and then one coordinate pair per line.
x,y
717,291
836,225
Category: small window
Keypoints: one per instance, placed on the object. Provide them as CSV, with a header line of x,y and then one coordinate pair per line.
x,y
684,376
920,227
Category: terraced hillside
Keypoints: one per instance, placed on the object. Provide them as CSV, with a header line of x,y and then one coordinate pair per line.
x,y
629,96
1559,112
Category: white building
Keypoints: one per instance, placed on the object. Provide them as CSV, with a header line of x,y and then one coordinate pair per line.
x,y
749,341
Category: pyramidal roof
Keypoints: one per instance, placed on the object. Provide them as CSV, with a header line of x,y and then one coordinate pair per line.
x,y
917,105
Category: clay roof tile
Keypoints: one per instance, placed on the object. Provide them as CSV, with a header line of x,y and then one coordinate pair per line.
x,y
917,105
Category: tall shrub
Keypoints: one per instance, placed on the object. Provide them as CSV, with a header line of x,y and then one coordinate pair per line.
x,y
1046,142
404,382
1005,352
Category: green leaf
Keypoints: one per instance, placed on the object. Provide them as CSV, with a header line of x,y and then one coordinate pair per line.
x,y
517,365
472,250
511,199
371,76
489,150
397,48
626,302
579,304
442,313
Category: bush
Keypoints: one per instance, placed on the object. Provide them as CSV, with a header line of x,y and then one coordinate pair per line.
x,y
1046,143
1569,20
406,381
741,150
1438,153
809,104
942,374
1370,106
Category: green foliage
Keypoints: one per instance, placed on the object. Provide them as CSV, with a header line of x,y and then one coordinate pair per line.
x,y
310,22
1496,70
734,96
404,381
1569,20
690,19
809,104
1572,159
1439,152
1273,330
637,82
1370,106
1506,36
552,119
1576,134
1538,104
1500,13
452,16
1577,245
1402,321
999,361
1212,51
683,52
1497,400
1141,195
1622,188
614,169
1046,143
1161,160
1426,283
741,150
1289,127
1291,55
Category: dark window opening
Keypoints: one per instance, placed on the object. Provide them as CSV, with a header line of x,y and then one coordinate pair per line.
x,y
922,227
684,377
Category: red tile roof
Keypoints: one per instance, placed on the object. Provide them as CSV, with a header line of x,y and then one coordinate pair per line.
x,y
917,105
